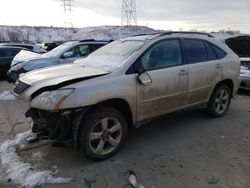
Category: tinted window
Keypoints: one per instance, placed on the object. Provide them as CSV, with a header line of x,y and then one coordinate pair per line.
x,y
2,53
164,54
96,46
196,51
210,53
219,52
240,45
11,52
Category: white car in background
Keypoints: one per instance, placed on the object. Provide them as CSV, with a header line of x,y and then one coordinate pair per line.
x,y
240,44
66,53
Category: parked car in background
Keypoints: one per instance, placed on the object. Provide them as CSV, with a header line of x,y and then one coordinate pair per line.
x,y
31,47
241,46
7,53
126,83
48,46
245,77
63,54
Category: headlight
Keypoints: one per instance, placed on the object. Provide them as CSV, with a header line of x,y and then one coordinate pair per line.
x,y
50,100
18,66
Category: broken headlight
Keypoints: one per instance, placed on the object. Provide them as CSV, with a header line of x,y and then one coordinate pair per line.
x,y
50,100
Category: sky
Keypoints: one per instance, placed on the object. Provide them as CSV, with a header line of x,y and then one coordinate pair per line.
x,y
212,15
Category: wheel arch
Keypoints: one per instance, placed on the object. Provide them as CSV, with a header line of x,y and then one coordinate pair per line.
x,y
227,82
118,104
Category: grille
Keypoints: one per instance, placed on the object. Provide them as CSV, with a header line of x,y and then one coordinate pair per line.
x,y
245,63
20,87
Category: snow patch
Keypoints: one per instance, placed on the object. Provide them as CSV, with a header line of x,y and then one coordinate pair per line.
x,y
7,95
22,173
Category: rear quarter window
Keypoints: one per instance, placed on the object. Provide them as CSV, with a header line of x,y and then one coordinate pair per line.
x,y
220,54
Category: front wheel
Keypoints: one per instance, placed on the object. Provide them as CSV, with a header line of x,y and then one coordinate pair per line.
x,y
102,134
219,101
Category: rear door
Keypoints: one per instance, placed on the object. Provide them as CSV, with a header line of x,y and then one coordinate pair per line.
x,y
163,62
204,68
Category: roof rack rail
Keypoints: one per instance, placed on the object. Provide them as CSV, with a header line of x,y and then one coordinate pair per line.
x,y
87,40
94,40
185,32
143,34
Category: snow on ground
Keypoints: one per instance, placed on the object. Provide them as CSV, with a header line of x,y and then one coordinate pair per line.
x,y
22,173
50,34
7,95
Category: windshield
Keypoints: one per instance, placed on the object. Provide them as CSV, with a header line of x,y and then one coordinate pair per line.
x,y
112,56
58,50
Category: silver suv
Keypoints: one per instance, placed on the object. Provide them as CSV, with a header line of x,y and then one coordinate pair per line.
x,y
95,100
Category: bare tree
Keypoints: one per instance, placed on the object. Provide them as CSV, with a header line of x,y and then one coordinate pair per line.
x,y
26,35
14,34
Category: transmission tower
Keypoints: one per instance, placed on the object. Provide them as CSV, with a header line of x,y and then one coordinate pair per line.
x,y
67,5
128,15
67,9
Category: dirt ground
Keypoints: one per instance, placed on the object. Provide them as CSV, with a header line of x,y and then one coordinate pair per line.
x,y
182,150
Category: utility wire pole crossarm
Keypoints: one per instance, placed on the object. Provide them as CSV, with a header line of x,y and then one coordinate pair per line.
x,y
128,13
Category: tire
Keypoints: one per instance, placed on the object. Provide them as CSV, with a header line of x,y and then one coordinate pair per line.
x,y
219,101
102,133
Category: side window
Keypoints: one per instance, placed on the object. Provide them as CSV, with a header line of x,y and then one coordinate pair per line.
x,y
96,46
219,52
84,50
164,54
2,53
210,53
12,52
196,51
74,51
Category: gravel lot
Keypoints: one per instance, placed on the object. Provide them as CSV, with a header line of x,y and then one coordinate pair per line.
x,y
182,150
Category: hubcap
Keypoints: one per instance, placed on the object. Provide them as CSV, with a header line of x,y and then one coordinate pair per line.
x,y
105,136
222,101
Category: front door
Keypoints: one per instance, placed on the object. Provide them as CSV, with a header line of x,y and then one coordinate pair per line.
x,y
77,52
167,92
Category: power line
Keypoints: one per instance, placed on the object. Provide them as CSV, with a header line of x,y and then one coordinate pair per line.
x,y
128,13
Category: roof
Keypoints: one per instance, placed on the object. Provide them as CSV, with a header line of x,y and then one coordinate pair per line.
x,y
14,47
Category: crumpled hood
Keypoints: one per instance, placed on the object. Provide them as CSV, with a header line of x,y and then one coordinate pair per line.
x,y
60,73
24,55
57,76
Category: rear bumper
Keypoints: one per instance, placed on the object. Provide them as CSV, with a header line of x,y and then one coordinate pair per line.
x,y
245,83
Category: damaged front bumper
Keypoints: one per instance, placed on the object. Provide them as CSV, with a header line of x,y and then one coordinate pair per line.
x,y
59,125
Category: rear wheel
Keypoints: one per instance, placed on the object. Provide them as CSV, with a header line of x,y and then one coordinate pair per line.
x,y
103,133
219,101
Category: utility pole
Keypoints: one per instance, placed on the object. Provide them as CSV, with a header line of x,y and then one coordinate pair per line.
x,y
128,12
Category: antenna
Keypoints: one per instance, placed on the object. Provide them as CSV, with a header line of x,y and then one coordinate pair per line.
x,y
128,14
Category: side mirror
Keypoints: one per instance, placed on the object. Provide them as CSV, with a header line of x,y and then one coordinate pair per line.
x,y
67,54
145,79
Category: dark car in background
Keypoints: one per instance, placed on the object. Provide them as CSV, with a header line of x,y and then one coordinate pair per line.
x,y
7,53
31,47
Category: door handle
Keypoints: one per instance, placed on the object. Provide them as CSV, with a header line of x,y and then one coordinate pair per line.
x,y
183,72
218,66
